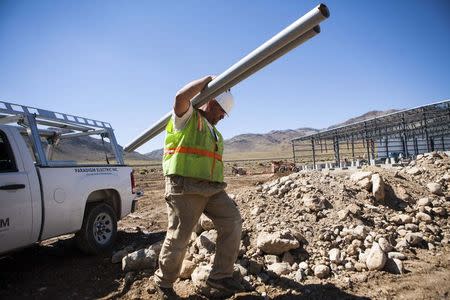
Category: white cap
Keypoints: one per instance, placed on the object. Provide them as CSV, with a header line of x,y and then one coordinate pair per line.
x,y
226,101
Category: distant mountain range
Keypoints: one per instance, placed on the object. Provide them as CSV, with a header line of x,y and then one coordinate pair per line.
x,y
276,143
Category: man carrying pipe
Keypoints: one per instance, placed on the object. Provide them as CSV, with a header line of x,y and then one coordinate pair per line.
x,y
193,170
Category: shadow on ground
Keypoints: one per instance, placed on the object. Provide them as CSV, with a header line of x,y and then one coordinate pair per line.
x,y
58,270
311,291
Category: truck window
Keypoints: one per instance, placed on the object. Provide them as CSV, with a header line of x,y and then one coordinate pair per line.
x,y
7,162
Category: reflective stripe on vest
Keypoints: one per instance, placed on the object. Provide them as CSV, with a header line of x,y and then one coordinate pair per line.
x,y
190,150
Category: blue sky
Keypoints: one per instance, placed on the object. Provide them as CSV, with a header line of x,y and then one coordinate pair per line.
x,y
123,61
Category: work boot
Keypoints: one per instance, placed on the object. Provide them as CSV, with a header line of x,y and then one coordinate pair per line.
x,y
166,293
228,285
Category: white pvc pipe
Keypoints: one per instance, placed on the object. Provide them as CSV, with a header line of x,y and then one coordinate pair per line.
x,y
286,40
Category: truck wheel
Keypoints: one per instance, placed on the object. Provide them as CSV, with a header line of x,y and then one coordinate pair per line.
x,y
99,230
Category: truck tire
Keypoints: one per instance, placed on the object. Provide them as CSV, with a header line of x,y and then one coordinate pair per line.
x,y
99,230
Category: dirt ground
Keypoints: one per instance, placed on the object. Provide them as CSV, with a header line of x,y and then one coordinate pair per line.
x,y
55,269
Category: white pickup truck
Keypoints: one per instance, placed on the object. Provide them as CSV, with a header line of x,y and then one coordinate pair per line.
x,y
41,198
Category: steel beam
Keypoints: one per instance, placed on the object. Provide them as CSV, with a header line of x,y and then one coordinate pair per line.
x,y
416,146
33,133
424,118
336,151
405,136
293,151
372,148
313,153
353,148
116,151
79,134
386,145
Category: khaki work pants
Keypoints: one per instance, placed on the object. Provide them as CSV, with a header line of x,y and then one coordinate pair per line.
x,y
186,200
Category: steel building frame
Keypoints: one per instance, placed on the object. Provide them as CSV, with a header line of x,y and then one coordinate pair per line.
x,y
406,133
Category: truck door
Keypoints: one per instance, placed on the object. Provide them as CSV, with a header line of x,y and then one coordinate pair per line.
x,y
15,198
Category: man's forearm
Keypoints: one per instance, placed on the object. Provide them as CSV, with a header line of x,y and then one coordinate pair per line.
x,y
188,92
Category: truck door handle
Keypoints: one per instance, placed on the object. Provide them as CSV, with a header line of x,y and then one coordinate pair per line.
x,y
12,187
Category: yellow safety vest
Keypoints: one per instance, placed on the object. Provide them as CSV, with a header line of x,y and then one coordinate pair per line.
x,y
193,151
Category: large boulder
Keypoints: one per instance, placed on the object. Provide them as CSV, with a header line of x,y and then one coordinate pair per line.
x,y
435,188
397,255
279,268
207,241
385,245
271,259
362,179
376,258
186,269
365,184
117,257
321,271
199,277
313,202
200,274
335,255
156,247
358,176
423,217
206,223
394,266
360,231
378,187
277,242
401,219
414,239
414,171
402,193
423,202
138,260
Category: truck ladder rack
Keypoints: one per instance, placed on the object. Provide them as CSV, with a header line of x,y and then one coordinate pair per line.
x,y
79,126
60,119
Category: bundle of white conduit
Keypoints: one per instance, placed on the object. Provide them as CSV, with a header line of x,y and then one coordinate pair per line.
x,y
289,38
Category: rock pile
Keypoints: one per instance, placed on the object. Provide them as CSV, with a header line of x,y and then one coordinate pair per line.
x,y
343,222
314,224
354,222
